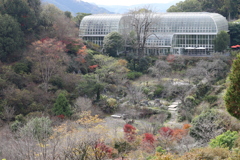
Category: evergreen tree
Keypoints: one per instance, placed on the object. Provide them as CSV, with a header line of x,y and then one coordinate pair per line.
x,y
91,86
78,18
186,6
232,98
221,41
62,106
113,43
21,10
234,32
11,37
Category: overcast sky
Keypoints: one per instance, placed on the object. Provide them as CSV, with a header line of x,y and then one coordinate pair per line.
x,y
129,2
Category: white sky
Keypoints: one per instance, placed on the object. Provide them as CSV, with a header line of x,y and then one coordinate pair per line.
x,y
128,2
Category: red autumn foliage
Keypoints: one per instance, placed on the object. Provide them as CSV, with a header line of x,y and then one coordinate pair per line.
x,y
186,126
103,150
148,142
149,138
166,132
178,134
170,58
174,134
61,116
93,67
44,39
81,54
129,132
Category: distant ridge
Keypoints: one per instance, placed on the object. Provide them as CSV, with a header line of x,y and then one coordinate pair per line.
x,y
157,7
75,6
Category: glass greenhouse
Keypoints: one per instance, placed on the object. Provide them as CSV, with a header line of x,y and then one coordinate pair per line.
x,y
178,33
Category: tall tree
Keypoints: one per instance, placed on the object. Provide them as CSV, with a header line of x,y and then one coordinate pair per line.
x,y
48,14
91,86
49,56
57,24
221,41
232,99
227,8
113,43
141,21
234,32
78,18
11,38
186,6
68,14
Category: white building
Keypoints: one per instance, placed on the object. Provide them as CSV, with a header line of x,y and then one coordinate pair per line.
x,y
177,33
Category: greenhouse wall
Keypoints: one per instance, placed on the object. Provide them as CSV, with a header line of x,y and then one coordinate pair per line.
x,y
176,33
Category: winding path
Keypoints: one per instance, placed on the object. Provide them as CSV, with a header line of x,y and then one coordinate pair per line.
x,y
173,109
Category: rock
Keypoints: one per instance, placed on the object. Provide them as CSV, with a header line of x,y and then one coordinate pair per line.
x,y
151,103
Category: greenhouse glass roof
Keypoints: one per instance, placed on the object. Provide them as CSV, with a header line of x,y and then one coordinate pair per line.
x,y
172,23
100,24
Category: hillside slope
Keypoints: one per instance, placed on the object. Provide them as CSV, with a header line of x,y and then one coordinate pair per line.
x,y
77,6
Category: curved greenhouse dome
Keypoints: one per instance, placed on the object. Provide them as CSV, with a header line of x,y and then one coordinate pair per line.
x,y
177,33
100,24
190,22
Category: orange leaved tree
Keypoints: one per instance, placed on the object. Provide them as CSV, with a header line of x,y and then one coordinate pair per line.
x,y
48,56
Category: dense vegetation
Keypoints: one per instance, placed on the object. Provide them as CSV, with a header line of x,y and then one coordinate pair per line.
x,y
227,8
57,93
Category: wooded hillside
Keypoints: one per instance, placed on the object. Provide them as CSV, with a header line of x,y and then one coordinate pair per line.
x,y
63,98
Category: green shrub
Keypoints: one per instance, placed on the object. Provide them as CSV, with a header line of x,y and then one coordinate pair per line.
x,y
226,139
20,118
19,122
133,75
108,105
158,91
40,128
141,65
21,68
148,111
122,146
56,81
211,98
160,149
146,90
202,89
111,102
15,125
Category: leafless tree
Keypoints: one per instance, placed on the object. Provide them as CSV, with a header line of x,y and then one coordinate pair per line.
x,y
185,144
82,104
64,27
161,69
208,70
178,91
141,21
135,93
82,146
8,112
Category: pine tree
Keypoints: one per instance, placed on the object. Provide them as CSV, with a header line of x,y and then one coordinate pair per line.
x,y
62,106
232,98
